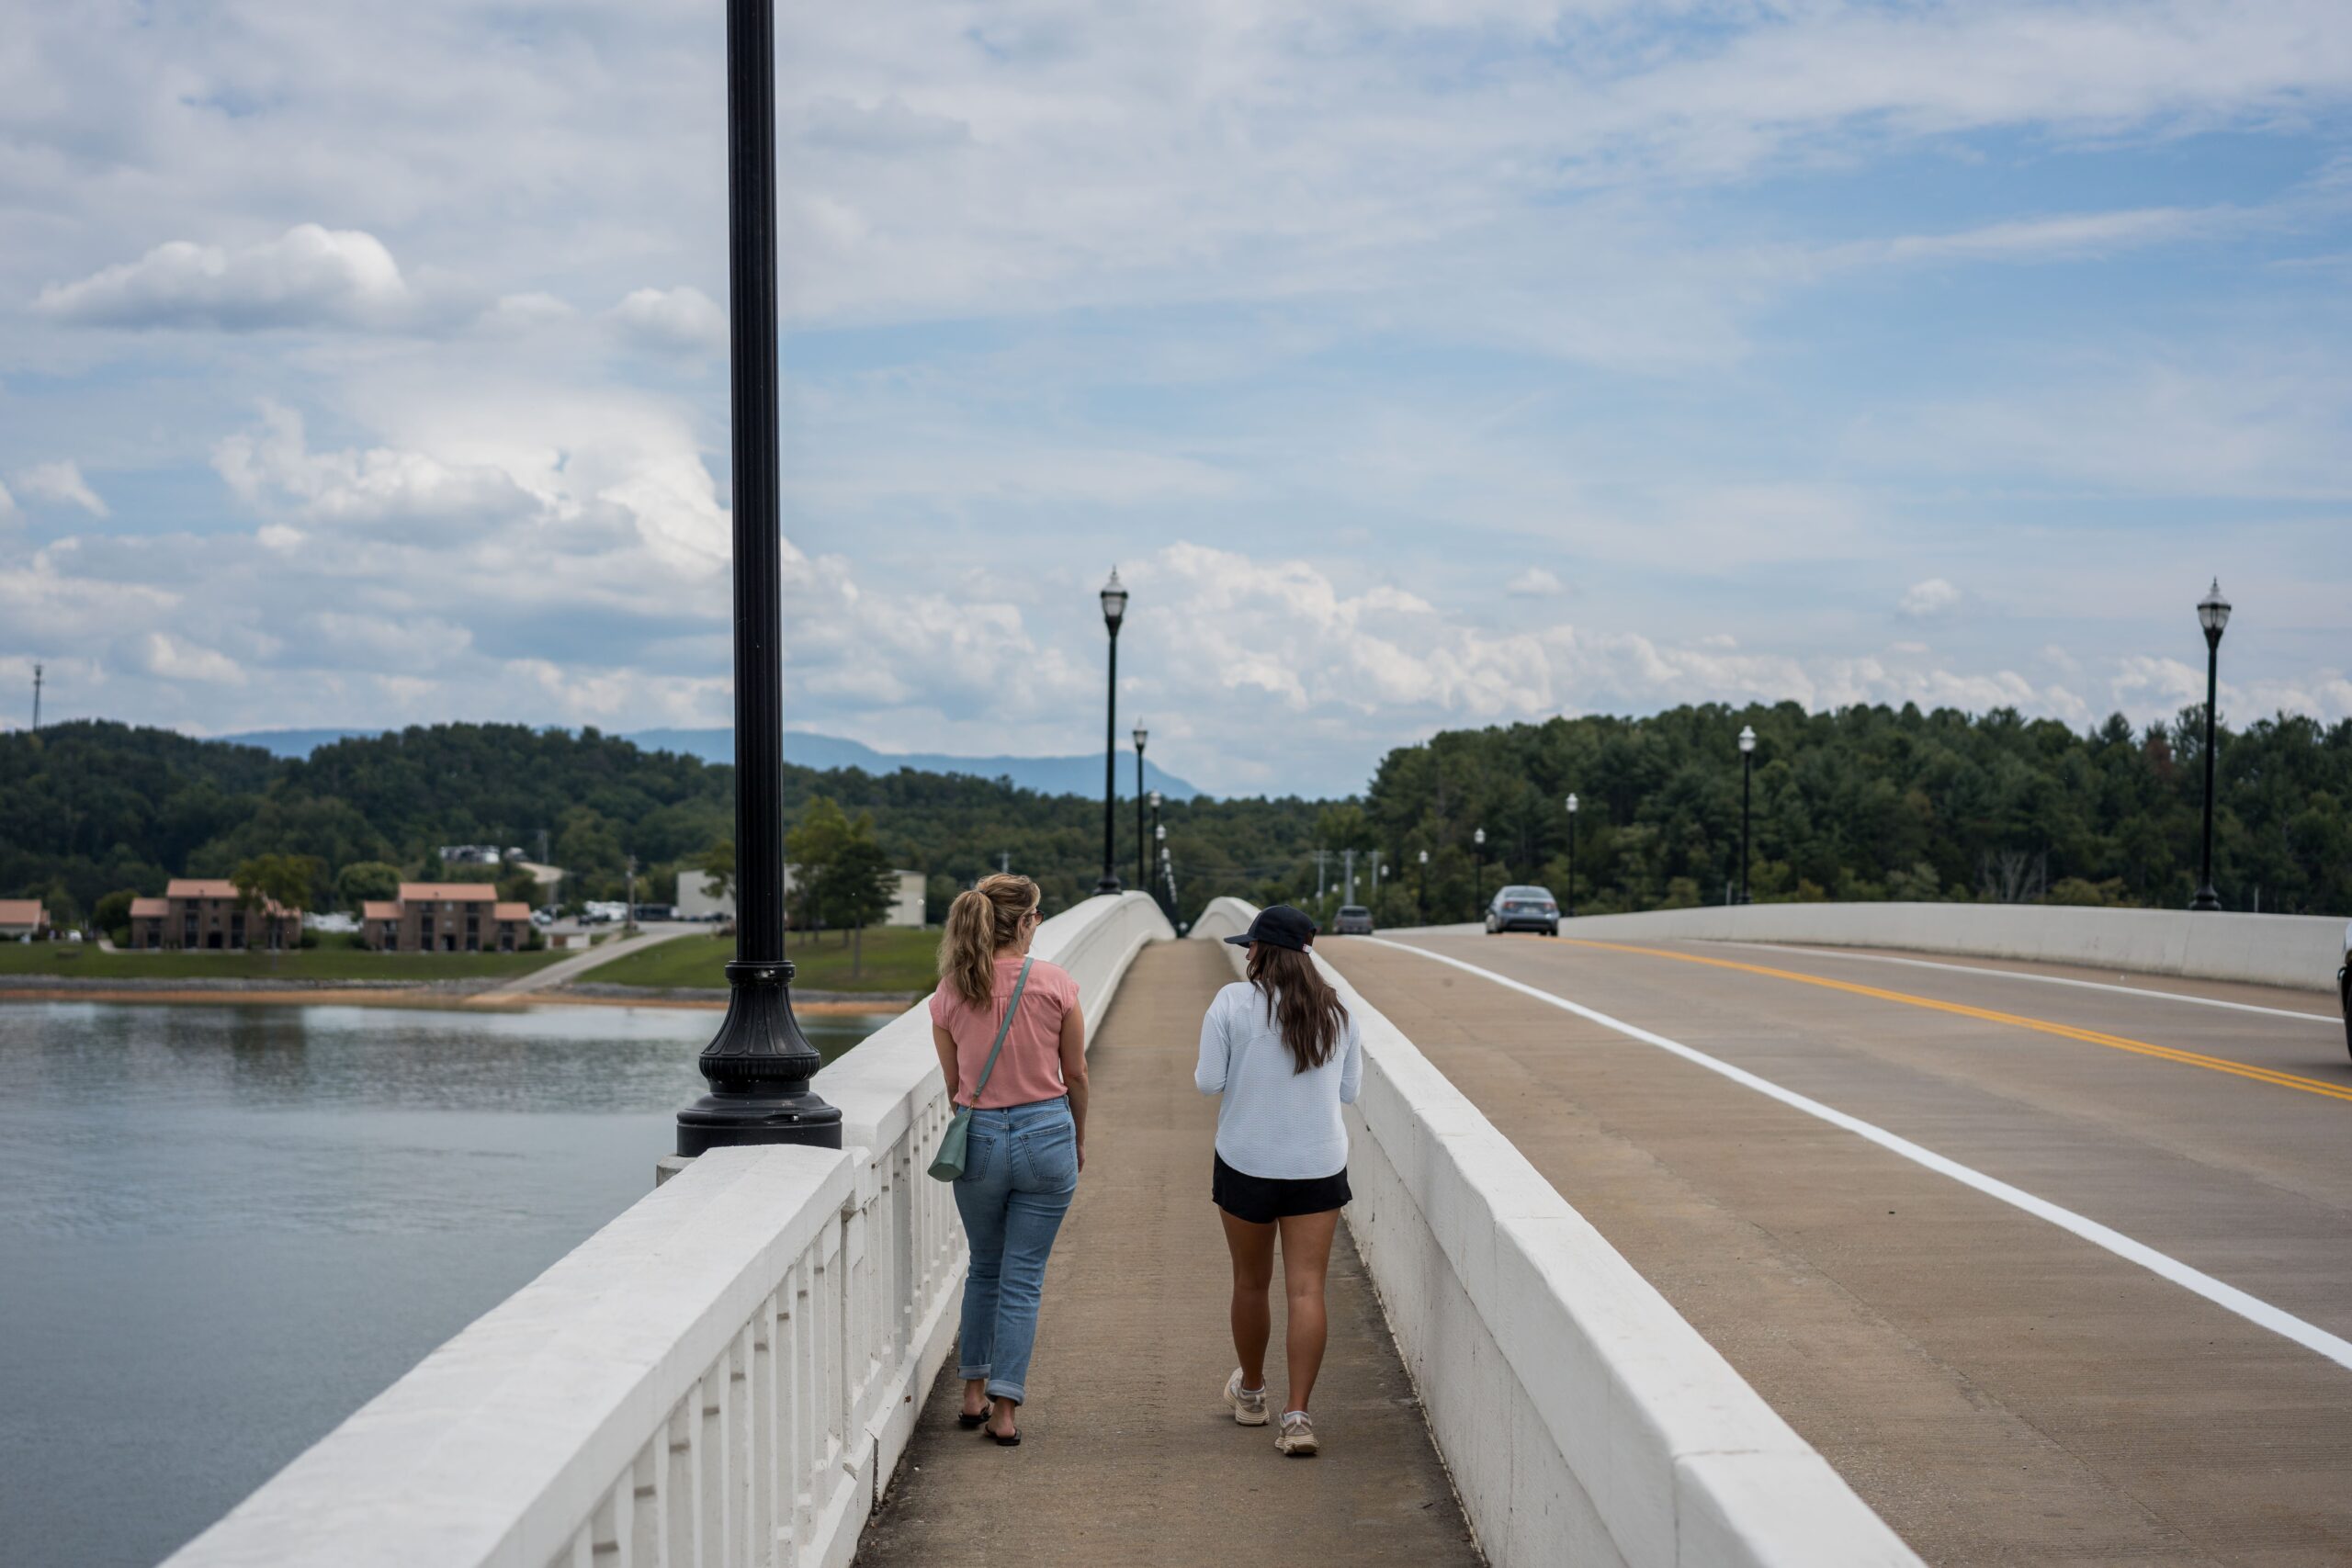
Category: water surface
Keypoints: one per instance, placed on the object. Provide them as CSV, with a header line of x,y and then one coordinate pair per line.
x,y
222,1229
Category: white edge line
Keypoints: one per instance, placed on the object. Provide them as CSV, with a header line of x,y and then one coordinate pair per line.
x,y
2021,974
2228,1297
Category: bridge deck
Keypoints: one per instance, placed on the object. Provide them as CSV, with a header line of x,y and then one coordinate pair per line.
x,y
1128,1454
1998,1389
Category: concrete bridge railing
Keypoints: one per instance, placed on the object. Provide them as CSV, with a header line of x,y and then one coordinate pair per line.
x,y
726,1374
2299,950
1582,1419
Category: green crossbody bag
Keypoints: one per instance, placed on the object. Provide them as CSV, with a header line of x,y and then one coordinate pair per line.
x,y
947,1165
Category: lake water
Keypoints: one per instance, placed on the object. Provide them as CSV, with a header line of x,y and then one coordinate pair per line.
x,y
222,1229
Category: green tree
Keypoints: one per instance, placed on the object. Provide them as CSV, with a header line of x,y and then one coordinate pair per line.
x,y
289,882
112,916
859,886
363,880
812,846
718,866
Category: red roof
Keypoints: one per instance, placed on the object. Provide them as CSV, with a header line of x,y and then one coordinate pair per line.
x,y
459,892
22,912
510,912
379,909
150,908
214,887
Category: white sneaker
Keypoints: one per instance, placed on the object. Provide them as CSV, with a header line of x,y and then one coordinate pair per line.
x,y
1298,1437
1248,1404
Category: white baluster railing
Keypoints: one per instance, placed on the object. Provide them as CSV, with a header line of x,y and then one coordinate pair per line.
x,y
725,1375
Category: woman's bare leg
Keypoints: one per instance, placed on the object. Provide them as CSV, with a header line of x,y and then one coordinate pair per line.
x,y
1253,1274
1306,1257
976,1396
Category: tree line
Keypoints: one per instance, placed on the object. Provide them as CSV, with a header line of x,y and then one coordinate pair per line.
x,y
1863,803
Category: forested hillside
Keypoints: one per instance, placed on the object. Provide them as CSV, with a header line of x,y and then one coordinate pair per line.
x,y
89,808
1873,803
1866,803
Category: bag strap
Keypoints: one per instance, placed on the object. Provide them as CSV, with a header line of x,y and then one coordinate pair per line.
x,y
1003,1029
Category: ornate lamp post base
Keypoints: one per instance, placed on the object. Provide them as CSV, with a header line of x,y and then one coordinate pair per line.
x,y
759,1068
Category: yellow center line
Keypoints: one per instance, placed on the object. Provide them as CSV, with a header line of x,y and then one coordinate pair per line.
x,y
2065,1030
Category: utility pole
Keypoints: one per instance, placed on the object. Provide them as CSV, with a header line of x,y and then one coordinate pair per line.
x,y
1320,855
1004,862
36,699
1349,856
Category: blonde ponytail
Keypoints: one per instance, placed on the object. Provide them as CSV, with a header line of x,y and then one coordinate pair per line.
x,y
982,920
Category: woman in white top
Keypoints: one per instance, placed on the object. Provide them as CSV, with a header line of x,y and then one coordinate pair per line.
x,y
1282,1051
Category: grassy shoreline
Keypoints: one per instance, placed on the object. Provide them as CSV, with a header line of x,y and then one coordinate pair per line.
x,y
897,961
81,961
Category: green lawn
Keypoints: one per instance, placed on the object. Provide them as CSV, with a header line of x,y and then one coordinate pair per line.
x,y
896,960
84,961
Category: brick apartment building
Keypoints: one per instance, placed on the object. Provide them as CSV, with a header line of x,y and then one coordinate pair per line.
x,y
197,912
444,916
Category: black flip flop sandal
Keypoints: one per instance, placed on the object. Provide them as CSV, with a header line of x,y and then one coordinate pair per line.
x,y
968,1421
1011,1442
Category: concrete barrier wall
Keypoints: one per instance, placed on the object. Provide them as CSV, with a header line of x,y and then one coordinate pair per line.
x,y
2298,951
726,1373
1582,1419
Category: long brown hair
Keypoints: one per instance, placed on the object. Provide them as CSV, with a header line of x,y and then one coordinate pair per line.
x,y
984,917
1301,1000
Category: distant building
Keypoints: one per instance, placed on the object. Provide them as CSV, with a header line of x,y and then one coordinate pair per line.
x,y
207,913
475,854
444,916
693,904
23,917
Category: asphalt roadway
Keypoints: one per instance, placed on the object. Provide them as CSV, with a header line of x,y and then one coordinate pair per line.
x,y
2053,1273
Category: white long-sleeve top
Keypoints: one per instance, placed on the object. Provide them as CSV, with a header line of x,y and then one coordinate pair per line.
x,y
1275,1121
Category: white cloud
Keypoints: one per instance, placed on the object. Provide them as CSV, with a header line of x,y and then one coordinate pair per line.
x,y
62,483
1927,600
173,659
307,276
1532,582
682,320
7,504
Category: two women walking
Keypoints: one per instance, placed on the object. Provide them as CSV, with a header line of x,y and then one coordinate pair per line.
x,y
1278,1046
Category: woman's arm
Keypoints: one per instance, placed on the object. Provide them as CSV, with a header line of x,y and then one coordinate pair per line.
x,y
1208,1076
1074,1073
1351,1063
945,1043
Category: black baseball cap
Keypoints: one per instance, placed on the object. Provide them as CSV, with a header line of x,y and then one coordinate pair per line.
x,y
1279,925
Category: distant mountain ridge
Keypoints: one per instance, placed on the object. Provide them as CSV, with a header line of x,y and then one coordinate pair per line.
x,y
1046,775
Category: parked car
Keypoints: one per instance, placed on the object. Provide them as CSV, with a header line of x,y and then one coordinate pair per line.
x,y
1354,919
1523,908
2344,985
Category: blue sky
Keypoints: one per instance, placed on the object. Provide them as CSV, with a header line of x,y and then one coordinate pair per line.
x,y
1420,365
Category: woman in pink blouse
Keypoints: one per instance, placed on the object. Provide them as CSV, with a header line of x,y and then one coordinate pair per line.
x,y
1028,1134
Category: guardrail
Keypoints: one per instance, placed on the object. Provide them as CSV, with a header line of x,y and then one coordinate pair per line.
x,y
2298,951
726,1374
1582,1419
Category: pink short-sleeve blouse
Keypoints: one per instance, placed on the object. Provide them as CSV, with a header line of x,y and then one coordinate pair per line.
x,y
1031,1065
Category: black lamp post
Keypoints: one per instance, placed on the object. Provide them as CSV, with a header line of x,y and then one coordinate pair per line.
x,y
1478,839
1571,899
1114,610
1143,848
760,1064
2212,613
1422,893
1746,780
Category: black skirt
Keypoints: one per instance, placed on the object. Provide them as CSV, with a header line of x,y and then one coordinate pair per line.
x,y
1263,1200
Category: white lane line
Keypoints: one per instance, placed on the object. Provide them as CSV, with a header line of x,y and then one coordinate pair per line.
x,y
2228,1297
2018,975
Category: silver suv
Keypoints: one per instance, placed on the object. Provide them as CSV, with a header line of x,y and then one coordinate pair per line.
x,y
1354,919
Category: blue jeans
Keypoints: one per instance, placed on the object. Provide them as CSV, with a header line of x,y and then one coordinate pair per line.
x,y
1020,1172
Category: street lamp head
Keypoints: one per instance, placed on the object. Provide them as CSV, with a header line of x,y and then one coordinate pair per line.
x,y
1155,800
1160,832
1480,838
2213,611
1114,603
1746,739
1425,857
1572,803
1142,735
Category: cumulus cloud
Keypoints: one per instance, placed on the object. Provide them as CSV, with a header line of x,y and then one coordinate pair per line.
x,y
174,658
7,504
1927,600
307,276
1534,583
681,321
60,484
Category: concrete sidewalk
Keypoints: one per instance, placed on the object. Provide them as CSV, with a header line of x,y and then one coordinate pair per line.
x,y
563,971
1129,1454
